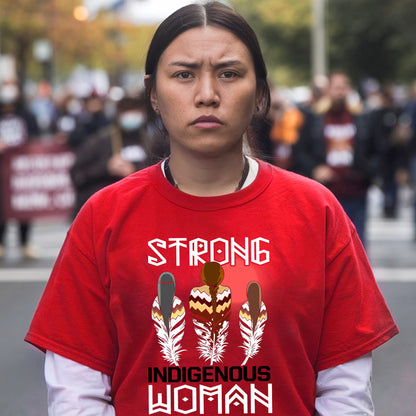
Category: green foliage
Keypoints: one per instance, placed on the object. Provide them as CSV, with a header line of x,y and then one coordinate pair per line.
x,y
374,38
105,42
284,34
362,34
364,37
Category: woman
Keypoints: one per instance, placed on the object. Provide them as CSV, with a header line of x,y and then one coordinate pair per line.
x,y
279,322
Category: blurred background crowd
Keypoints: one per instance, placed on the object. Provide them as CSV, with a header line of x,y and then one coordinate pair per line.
x,y
71,73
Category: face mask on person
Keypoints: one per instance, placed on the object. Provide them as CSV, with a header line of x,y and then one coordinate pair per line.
x,y
74,107
131,120
9,94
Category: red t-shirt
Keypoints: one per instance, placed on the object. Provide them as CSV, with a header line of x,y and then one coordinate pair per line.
x,y
212,305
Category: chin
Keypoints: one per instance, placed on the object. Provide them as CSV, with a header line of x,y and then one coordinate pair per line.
x,y
207,146
214,150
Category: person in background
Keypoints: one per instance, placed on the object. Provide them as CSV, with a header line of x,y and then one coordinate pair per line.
x,y
17,126
273,138
319,93
112,153
68,112
336,149
287,121
410,113
42,106
211,282
91,119
391,131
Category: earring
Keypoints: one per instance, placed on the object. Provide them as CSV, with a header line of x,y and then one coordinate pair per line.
x,y
157,111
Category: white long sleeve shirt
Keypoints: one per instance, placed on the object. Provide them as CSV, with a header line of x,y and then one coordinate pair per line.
x,y
77,390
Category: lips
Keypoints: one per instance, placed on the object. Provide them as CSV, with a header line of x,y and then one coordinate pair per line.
x,y
207,121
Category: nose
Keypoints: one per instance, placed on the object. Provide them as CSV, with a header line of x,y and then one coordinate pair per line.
x,y
207,93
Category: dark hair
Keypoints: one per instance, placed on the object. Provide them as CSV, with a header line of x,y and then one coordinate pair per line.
x,y
200,15
135,102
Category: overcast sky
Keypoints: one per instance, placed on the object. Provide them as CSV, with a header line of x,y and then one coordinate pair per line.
x,y
154,11
140,11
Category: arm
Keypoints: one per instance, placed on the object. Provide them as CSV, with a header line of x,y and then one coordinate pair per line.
x,y
345,389
73,386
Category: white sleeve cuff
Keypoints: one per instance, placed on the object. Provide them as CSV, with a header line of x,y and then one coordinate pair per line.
x,y
345,389
76,389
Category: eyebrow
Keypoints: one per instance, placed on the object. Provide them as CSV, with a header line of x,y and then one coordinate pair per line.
x,y
194,65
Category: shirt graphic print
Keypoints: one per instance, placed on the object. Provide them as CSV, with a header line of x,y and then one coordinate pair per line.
x,y
229,305
210,310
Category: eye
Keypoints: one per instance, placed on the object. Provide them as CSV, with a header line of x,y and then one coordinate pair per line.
x,y
228,74
183,75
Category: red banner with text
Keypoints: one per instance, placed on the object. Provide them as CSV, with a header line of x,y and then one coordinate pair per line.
x,y
35,181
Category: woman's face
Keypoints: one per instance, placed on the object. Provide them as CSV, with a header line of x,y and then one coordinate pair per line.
x,y
205,91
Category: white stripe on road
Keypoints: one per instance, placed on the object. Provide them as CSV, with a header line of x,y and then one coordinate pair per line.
x,y
24,274
390,231
382,274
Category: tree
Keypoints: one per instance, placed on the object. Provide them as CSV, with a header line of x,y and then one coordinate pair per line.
x,y
20,22
373,38
105,42
365,38
283,30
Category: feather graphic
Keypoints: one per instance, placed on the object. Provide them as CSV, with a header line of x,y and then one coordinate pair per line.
x,y
211,350
168,314
166,293
252,317
210,306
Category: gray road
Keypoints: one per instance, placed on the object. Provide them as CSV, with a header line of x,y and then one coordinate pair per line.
x,y
392,253
394,371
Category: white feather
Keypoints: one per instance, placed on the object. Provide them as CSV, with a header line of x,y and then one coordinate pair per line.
x,y
252,339
170,342
211,350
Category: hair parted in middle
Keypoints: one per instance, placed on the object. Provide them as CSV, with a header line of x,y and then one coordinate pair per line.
x,y
201,15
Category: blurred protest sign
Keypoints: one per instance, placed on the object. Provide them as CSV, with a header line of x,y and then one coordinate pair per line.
x,y
36,182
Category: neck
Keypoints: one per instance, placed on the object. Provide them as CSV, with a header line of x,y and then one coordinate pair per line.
x,y
339,106
203,176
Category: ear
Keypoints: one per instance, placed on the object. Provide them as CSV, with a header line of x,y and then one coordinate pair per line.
x,y
259,97
149,83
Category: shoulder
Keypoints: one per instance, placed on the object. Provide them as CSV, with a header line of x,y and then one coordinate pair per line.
x,y
305,200
112,205
125,189
297,186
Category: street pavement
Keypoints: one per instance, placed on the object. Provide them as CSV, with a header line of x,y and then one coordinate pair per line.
x,y
392,253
